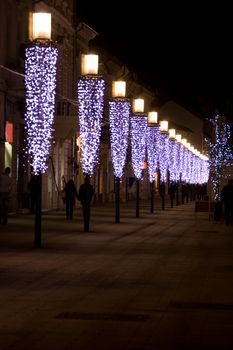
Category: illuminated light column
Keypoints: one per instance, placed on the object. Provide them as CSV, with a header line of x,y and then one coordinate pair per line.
x,y
40,81
163,159
184,159
90,113
178,167
153,140
138,131
119,114
173,153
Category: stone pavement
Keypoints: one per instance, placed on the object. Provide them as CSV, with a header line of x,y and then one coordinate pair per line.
x,y
161,281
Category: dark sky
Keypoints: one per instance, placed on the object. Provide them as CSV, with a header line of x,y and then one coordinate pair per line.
x,y
183,50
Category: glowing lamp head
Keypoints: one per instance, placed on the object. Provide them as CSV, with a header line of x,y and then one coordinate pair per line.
x,y
89,64
138,105
172,133
178,138
184,142
164,126
118,88
152,118
41,26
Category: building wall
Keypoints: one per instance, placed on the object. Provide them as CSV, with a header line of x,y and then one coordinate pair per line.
x,y
185,122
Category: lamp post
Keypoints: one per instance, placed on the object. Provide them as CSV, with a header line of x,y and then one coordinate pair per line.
x,y
119,113
90,113
138,131
153,140
40,81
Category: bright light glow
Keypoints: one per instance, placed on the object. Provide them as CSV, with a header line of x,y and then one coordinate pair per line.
x,y
178,138
163,126
138,132
89,64
40,81
152,118
90,114
41,25
119,113
184,142
172,133
118,88
138,105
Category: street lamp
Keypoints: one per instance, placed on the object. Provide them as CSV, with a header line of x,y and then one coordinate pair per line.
x,y
119,113
90,113
138,131
153,140
40,82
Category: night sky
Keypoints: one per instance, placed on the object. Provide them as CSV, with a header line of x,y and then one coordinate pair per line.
x,y
183,51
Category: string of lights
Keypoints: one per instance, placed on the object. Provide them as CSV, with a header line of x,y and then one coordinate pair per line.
x,y
40,81
90,113
153,146
138,131
119,113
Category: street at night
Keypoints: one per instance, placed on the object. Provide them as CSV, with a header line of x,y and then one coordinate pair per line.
x,y
161,281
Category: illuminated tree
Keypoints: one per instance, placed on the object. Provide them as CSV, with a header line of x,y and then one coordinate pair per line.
x,y
220,152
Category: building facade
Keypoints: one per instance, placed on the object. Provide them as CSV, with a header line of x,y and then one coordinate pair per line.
x,y
72,39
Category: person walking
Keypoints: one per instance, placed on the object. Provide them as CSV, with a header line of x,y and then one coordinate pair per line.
x,y
5,189
86,192
70,195
227,199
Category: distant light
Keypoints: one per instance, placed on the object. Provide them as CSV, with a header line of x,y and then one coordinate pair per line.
x,y
178,138
138,105
152,118
89,64
118,88
163,126
172,133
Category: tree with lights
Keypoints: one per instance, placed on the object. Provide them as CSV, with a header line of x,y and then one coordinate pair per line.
x,y
220,152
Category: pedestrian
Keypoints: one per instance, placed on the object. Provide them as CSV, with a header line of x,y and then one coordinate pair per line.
x,y
33,189
5,190
227,200
70,195
86,192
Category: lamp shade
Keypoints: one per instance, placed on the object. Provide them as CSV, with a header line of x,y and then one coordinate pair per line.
x,y
164,126
178,137
172,133
152,117
118,88
41,25
89,64
138,105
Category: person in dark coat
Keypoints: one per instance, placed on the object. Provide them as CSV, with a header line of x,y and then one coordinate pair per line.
x,y
227,199
86,192
70,195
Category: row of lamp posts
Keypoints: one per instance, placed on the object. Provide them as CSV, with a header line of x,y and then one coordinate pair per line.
x,y
40,80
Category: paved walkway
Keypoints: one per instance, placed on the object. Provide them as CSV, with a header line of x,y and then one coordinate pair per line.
x,y
162,281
